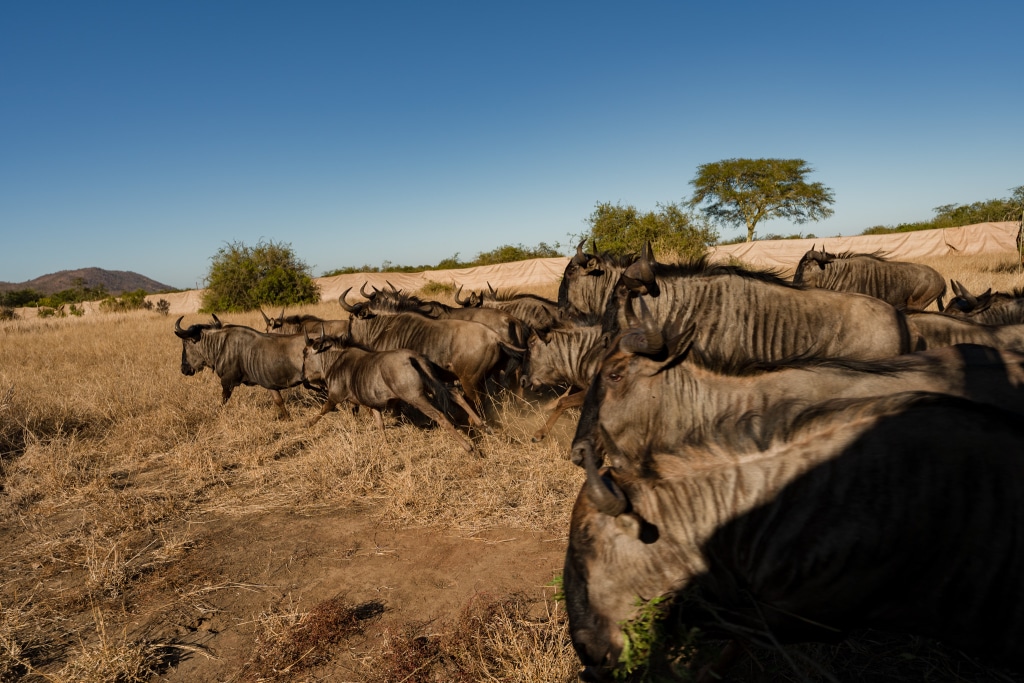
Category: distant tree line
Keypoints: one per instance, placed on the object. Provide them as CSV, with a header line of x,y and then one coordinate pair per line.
x,y
507,253
68,301
75,295
954,215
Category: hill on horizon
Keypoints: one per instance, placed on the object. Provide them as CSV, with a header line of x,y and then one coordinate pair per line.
x,y
116,282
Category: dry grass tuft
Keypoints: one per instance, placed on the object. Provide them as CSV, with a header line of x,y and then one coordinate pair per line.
x,y
511,638
112,659
290,643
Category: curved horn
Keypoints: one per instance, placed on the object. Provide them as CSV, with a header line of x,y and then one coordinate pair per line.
x,y
640,273
461,302
362,290
603,492
216,320
967,296
266,320
393,288
493,291
580,259
346,305
178,331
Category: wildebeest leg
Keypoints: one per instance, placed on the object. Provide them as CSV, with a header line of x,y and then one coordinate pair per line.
x,y
472,396
225,392
438,417
563,403
328,406
378,418
474,419
279,402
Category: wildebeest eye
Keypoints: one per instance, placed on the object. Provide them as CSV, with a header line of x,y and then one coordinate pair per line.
x,y
614,376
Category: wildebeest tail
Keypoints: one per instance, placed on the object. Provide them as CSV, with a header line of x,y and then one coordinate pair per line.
x,y
435,387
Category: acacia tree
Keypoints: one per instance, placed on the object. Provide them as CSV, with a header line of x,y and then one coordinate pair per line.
x,y
621,229
747,191
242,278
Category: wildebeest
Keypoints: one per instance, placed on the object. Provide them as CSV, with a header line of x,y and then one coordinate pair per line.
x,y
468,350
589,280
536,312
655,403
563,359
930,330
988,308
653,394
742,315
310,324
241,355
866,513
383,302
904,285
376,378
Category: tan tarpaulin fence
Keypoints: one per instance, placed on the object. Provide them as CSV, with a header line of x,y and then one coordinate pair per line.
x,y
981,238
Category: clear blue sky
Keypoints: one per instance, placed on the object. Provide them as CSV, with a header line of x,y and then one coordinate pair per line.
x,y
145,136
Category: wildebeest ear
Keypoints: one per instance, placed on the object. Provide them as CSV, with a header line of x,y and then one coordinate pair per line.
x,y
629,524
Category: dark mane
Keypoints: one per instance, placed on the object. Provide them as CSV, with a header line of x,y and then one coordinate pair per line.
x,y
701,267
1016,293
299,319
875,255
512,295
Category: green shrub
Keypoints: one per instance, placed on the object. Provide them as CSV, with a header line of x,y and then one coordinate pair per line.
x,y
128,301
621,229
434,288
19,298
243,278
163,307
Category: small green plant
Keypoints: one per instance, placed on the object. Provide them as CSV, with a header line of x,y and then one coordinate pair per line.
x,y
642,636
7,313
434,288
657,646
163,307
556,583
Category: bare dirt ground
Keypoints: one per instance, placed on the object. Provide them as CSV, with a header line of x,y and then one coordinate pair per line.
x,y
281,563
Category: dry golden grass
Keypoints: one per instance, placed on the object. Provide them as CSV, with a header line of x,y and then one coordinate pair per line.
x,y
112,463
109,458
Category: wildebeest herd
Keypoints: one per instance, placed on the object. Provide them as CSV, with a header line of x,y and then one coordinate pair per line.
x,y
769,461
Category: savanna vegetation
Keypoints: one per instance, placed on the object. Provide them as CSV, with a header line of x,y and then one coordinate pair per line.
x,y
149,533
243,277
506,253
